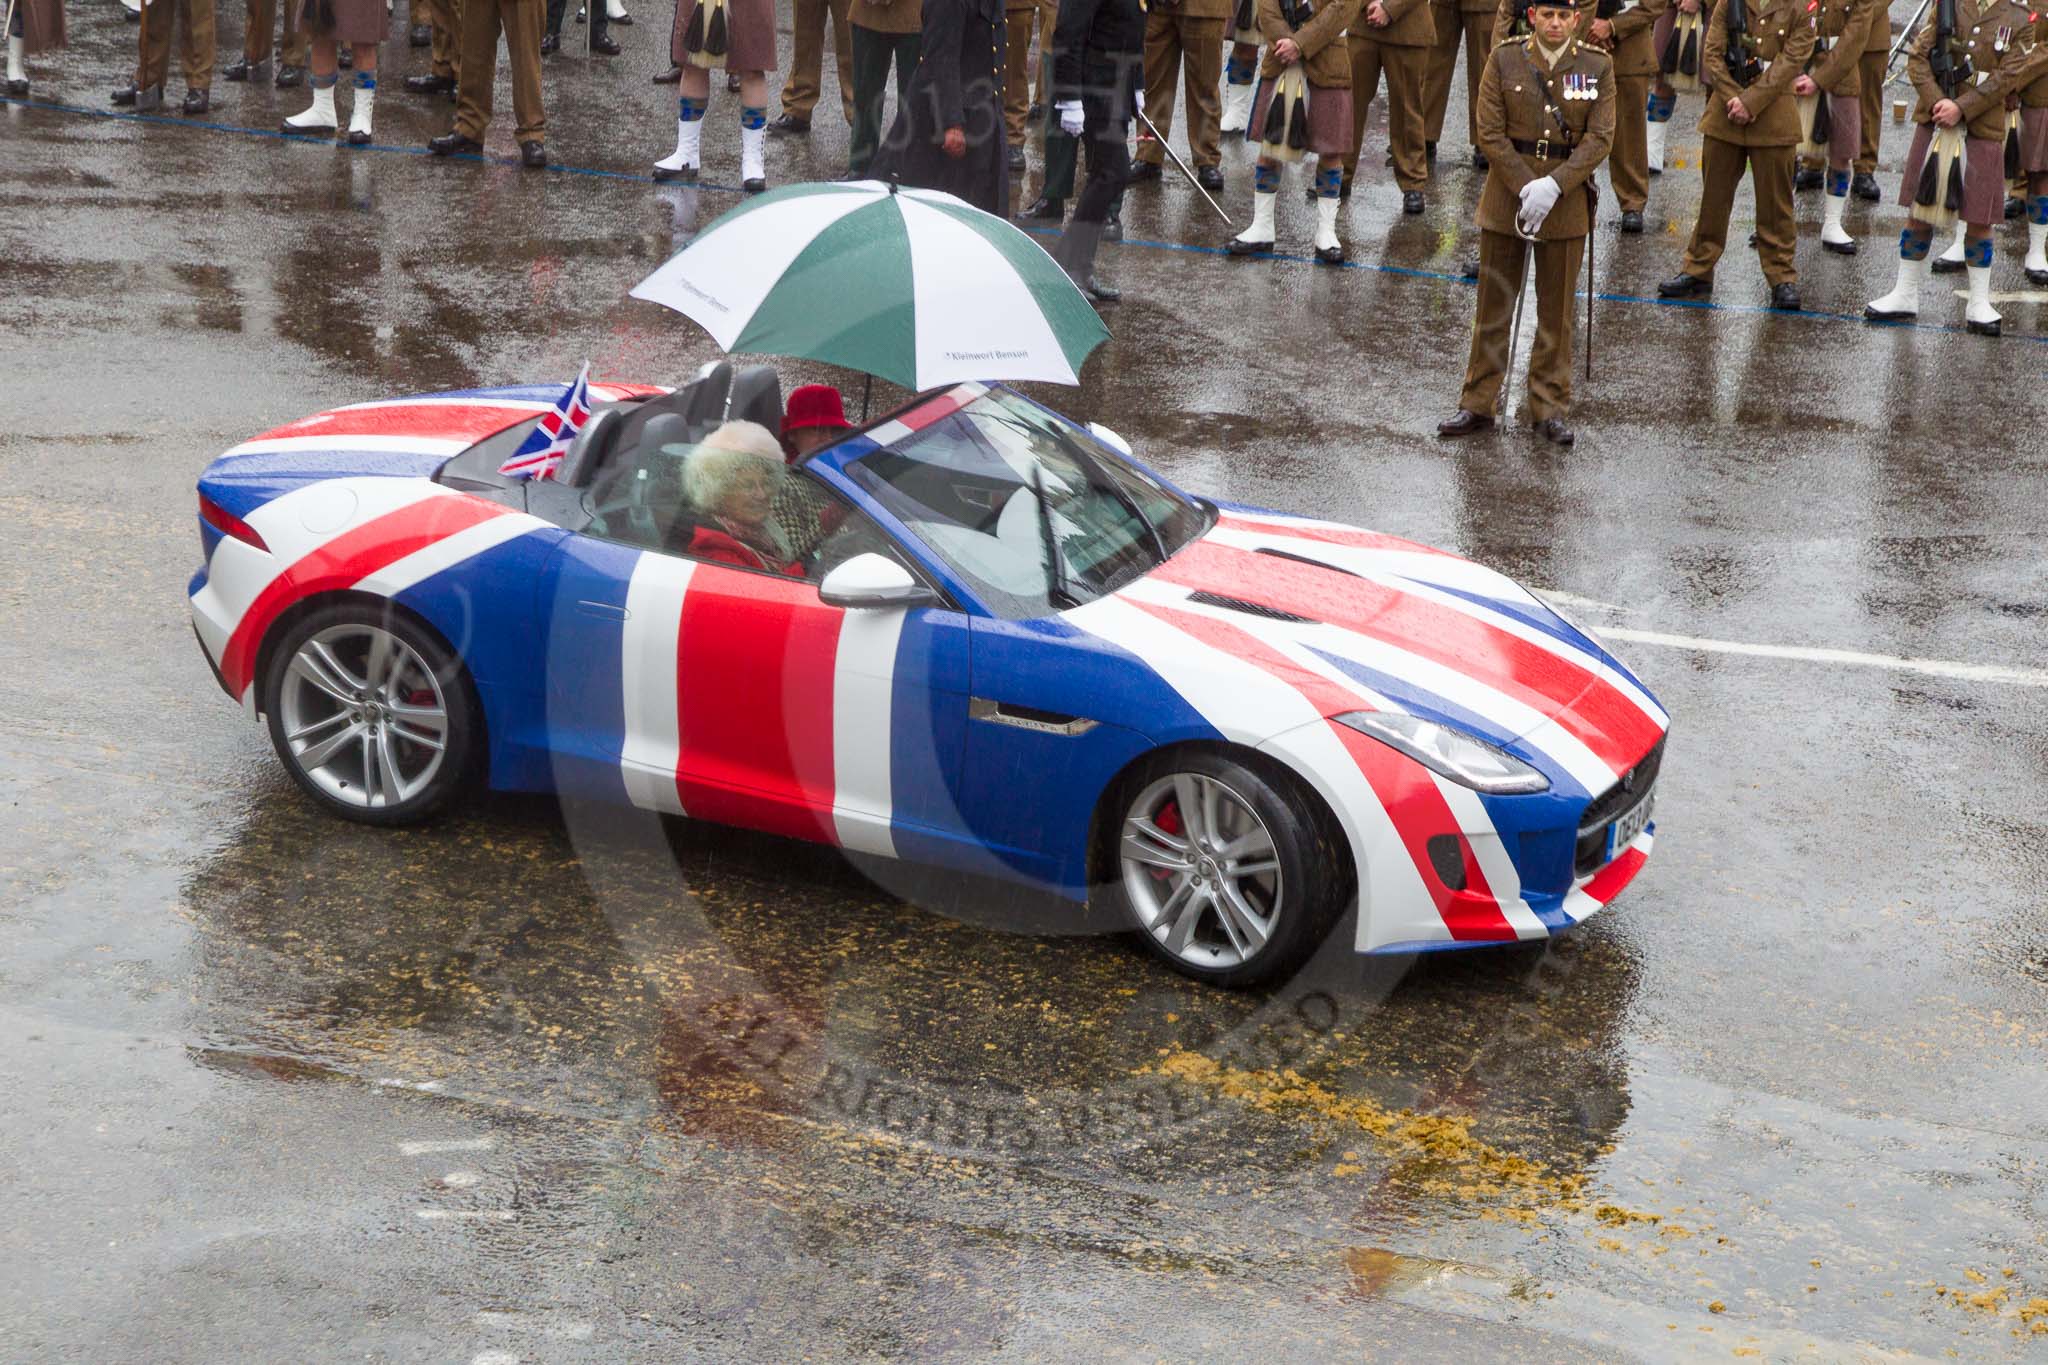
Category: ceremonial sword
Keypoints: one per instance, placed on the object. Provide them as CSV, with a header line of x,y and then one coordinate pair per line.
x,y
1178,164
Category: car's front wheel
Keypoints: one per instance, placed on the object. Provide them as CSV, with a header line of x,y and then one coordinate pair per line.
x,y
1221,868
372,715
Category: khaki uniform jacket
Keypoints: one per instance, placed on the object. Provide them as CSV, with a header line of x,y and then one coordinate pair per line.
x,y
1635,48
1325,59
1997,73
1194,9
1409,24
1846,25
1880,39
2035,94
1779,33
1513,108
888,16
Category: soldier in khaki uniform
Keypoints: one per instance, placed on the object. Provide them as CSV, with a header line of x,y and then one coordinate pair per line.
x,y
194,19
1184,40
883,31
522,22
1628,38
1471,20
1311,38
1994,37
807,63
294,52
1394,36
1020,19
1751,125
1546,121
1877,46
1843,29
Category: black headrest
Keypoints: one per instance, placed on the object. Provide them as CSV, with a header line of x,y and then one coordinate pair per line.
x,y
757,397
590,447
703,399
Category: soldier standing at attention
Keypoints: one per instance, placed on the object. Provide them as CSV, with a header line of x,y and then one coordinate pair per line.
x,y
293,52
738,35
1298,34
1020,20
1747,63
37,27
153,57
1627,36
1394,36
2034,153
1184,41
361,24
1877,48
482,20
882,31
1546,120
1452,19
1844,29
800,92
444,17
1991,39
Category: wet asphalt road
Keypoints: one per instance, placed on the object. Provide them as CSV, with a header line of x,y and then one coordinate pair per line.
x,y
535,1084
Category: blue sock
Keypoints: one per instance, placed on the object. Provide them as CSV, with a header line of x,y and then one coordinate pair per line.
x,y
751,117
689,110
1978,253
1661,107
2037,209
1329,182
324,82
366,80
1914,246
1838,184
1266,179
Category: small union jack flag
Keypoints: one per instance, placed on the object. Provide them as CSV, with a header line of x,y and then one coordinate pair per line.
x,y
540,454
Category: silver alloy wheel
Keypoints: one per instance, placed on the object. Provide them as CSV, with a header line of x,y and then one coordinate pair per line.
x,y
1206,884
364,716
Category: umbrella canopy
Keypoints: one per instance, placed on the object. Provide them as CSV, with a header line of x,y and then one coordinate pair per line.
x,y
912,286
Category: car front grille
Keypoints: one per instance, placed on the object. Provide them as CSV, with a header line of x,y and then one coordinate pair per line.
x,y
1634,786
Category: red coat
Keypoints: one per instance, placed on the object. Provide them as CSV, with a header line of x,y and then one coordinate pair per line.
x,y
708,542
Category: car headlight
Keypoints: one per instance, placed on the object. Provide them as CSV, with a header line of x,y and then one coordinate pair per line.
x,y
1450,753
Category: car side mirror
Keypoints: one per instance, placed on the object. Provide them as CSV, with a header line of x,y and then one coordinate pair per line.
x,y
1109,438
872,581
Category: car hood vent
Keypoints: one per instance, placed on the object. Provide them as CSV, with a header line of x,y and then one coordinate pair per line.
x,y
1310,560
1217,599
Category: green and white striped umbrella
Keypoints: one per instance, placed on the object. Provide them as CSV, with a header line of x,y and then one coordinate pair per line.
x,y
912,286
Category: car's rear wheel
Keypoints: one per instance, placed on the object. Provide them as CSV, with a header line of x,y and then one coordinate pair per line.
x,y
372,715
1221,869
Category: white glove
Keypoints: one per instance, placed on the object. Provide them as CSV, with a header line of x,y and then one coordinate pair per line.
x,y
1071,119
1539,196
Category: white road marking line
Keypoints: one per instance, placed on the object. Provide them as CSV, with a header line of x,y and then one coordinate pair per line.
x,y
562,1329
494,1358
1936,668
460,1180
394,1083
474,1215
433,1145
1572,599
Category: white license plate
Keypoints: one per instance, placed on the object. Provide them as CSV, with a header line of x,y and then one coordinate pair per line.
x,y
1628,825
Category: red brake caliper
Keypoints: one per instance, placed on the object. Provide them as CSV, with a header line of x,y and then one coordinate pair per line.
x,y
1168,821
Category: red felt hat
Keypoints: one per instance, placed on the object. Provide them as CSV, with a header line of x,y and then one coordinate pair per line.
x,y
814,405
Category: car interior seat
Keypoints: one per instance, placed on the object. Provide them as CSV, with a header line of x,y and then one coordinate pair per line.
x,y
587,452
757,397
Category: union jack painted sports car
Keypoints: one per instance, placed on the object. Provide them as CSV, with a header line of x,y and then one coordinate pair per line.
x,y
997,644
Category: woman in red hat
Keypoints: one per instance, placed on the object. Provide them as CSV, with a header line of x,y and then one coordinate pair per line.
x,y
814,419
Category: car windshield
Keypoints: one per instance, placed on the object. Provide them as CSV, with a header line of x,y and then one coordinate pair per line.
x,y
1035,513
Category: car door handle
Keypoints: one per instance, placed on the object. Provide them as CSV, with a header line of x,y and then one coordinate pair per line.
x,y
1029,717
603,611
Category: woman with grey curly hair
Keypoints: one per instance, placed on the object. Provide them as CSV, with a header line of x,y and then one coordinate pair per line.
x,y
730,481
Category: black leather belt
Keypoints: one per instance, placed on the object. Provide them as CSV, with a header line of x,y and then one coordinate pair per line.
x,y
1543,148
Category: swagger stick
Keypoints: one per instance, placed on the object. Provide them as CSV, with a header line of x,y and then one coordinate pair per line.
x,y
1507,377
1178,164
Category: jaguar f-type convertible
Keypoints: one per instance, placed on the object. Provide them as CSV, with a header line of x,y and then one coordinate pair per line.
x,y
999,644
